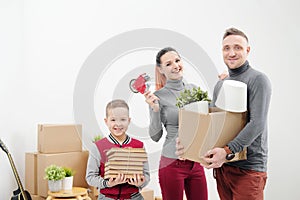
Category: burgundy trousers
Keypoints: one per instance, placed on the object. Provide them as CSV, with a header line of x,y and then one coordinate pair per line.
x,y
176,176
234,183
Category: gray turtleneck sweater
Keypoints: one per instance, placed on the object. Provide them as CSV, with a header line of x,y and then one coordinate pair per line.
x,y
254,135
167,116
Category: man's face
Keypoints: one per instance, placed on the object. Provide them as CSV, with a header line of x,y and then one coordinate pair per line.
x,y
235,51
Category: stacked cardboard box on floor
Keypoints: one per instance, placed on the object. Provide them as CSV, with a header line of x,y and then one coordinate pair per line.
x,y
147,193
36,197
127,161
60,145
93,193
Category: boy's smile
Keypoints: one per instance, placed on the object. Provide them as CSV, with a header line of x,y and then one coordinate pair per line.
x,y
117,122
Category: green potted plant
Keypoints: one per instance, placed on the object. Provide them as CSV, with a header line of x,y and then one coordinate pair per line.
x,y
67,183
96,138
194,99
54,174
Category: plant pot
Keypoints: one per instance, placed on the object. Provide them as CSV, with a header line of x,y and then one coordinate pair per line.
x,y
67,183
198,106
55,186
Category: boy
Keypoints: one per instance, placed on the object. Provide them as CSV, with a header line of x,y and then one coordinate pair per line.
x,y
117,120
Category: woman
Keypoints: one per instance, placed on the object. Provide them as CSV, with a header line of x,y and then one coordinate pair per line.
x,y
175,175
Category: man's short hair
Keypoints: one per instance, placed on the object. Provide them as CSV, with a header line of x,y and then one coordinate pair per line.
x,y
234,31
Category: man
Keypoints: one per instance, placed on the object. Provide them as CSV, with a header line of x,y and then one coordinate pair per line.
x,y
244,179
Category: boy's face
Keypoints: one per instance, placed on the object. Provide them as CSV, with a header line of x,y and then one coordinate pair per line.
x,y
117,121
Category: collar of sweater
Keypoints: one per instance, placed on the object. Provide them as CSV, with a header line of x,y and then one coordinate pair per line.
x,y
175,84
239,70
115,141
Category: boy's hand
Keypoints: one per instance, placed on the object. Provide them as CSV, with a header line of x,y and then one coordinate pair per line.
x,y
137,180
116,181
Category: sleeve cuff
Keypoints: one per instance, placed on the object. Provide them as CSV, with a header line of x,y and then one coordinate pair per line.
x,y
105,183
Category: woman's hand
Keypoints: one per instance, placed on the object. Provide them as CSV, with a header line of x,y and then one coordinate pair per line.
x,y
137,180
179,149
223,75
152,100
116,181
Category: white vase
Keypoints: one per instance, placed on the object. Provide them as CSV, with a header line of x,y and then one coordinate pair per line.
x,y
232,96
198,106
55,186
67,183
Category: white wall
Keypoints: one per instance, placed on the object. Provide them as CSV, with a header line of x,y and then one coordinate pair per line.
x,y
43,45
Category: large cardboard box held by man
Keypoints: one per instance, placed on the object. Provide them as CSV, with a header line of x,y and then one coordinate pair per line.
x,y
199,133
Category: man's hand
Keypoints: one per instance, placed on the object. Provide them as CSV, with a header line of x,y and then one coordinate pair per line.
x,y
137,180
223,75
116,181
215,158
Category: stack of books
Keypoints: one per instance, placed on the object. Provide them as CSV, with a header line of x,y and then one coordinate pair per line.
x,y
127,161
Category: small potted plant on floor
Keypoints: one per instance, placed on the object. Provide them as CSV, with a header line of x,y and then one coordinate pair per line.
x,y
194,99
54,174
68,180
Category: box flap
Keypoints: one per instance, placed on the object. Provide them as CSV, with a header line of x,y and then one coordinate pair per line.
x,y
213,133
189,130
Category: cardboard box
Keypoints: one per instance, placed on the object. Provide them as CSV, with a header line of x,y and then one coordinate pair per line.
x,y
128,161
31,173
74,160
37,197
147,193
199,133
93,193
59,138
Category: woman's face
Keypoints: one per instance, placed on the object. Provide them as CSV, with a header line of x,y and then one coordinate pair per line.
x,y
171,65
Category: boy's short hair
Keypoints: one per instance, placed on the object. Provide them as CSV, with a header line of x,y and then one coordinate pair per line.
x,y
234,31
117,103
